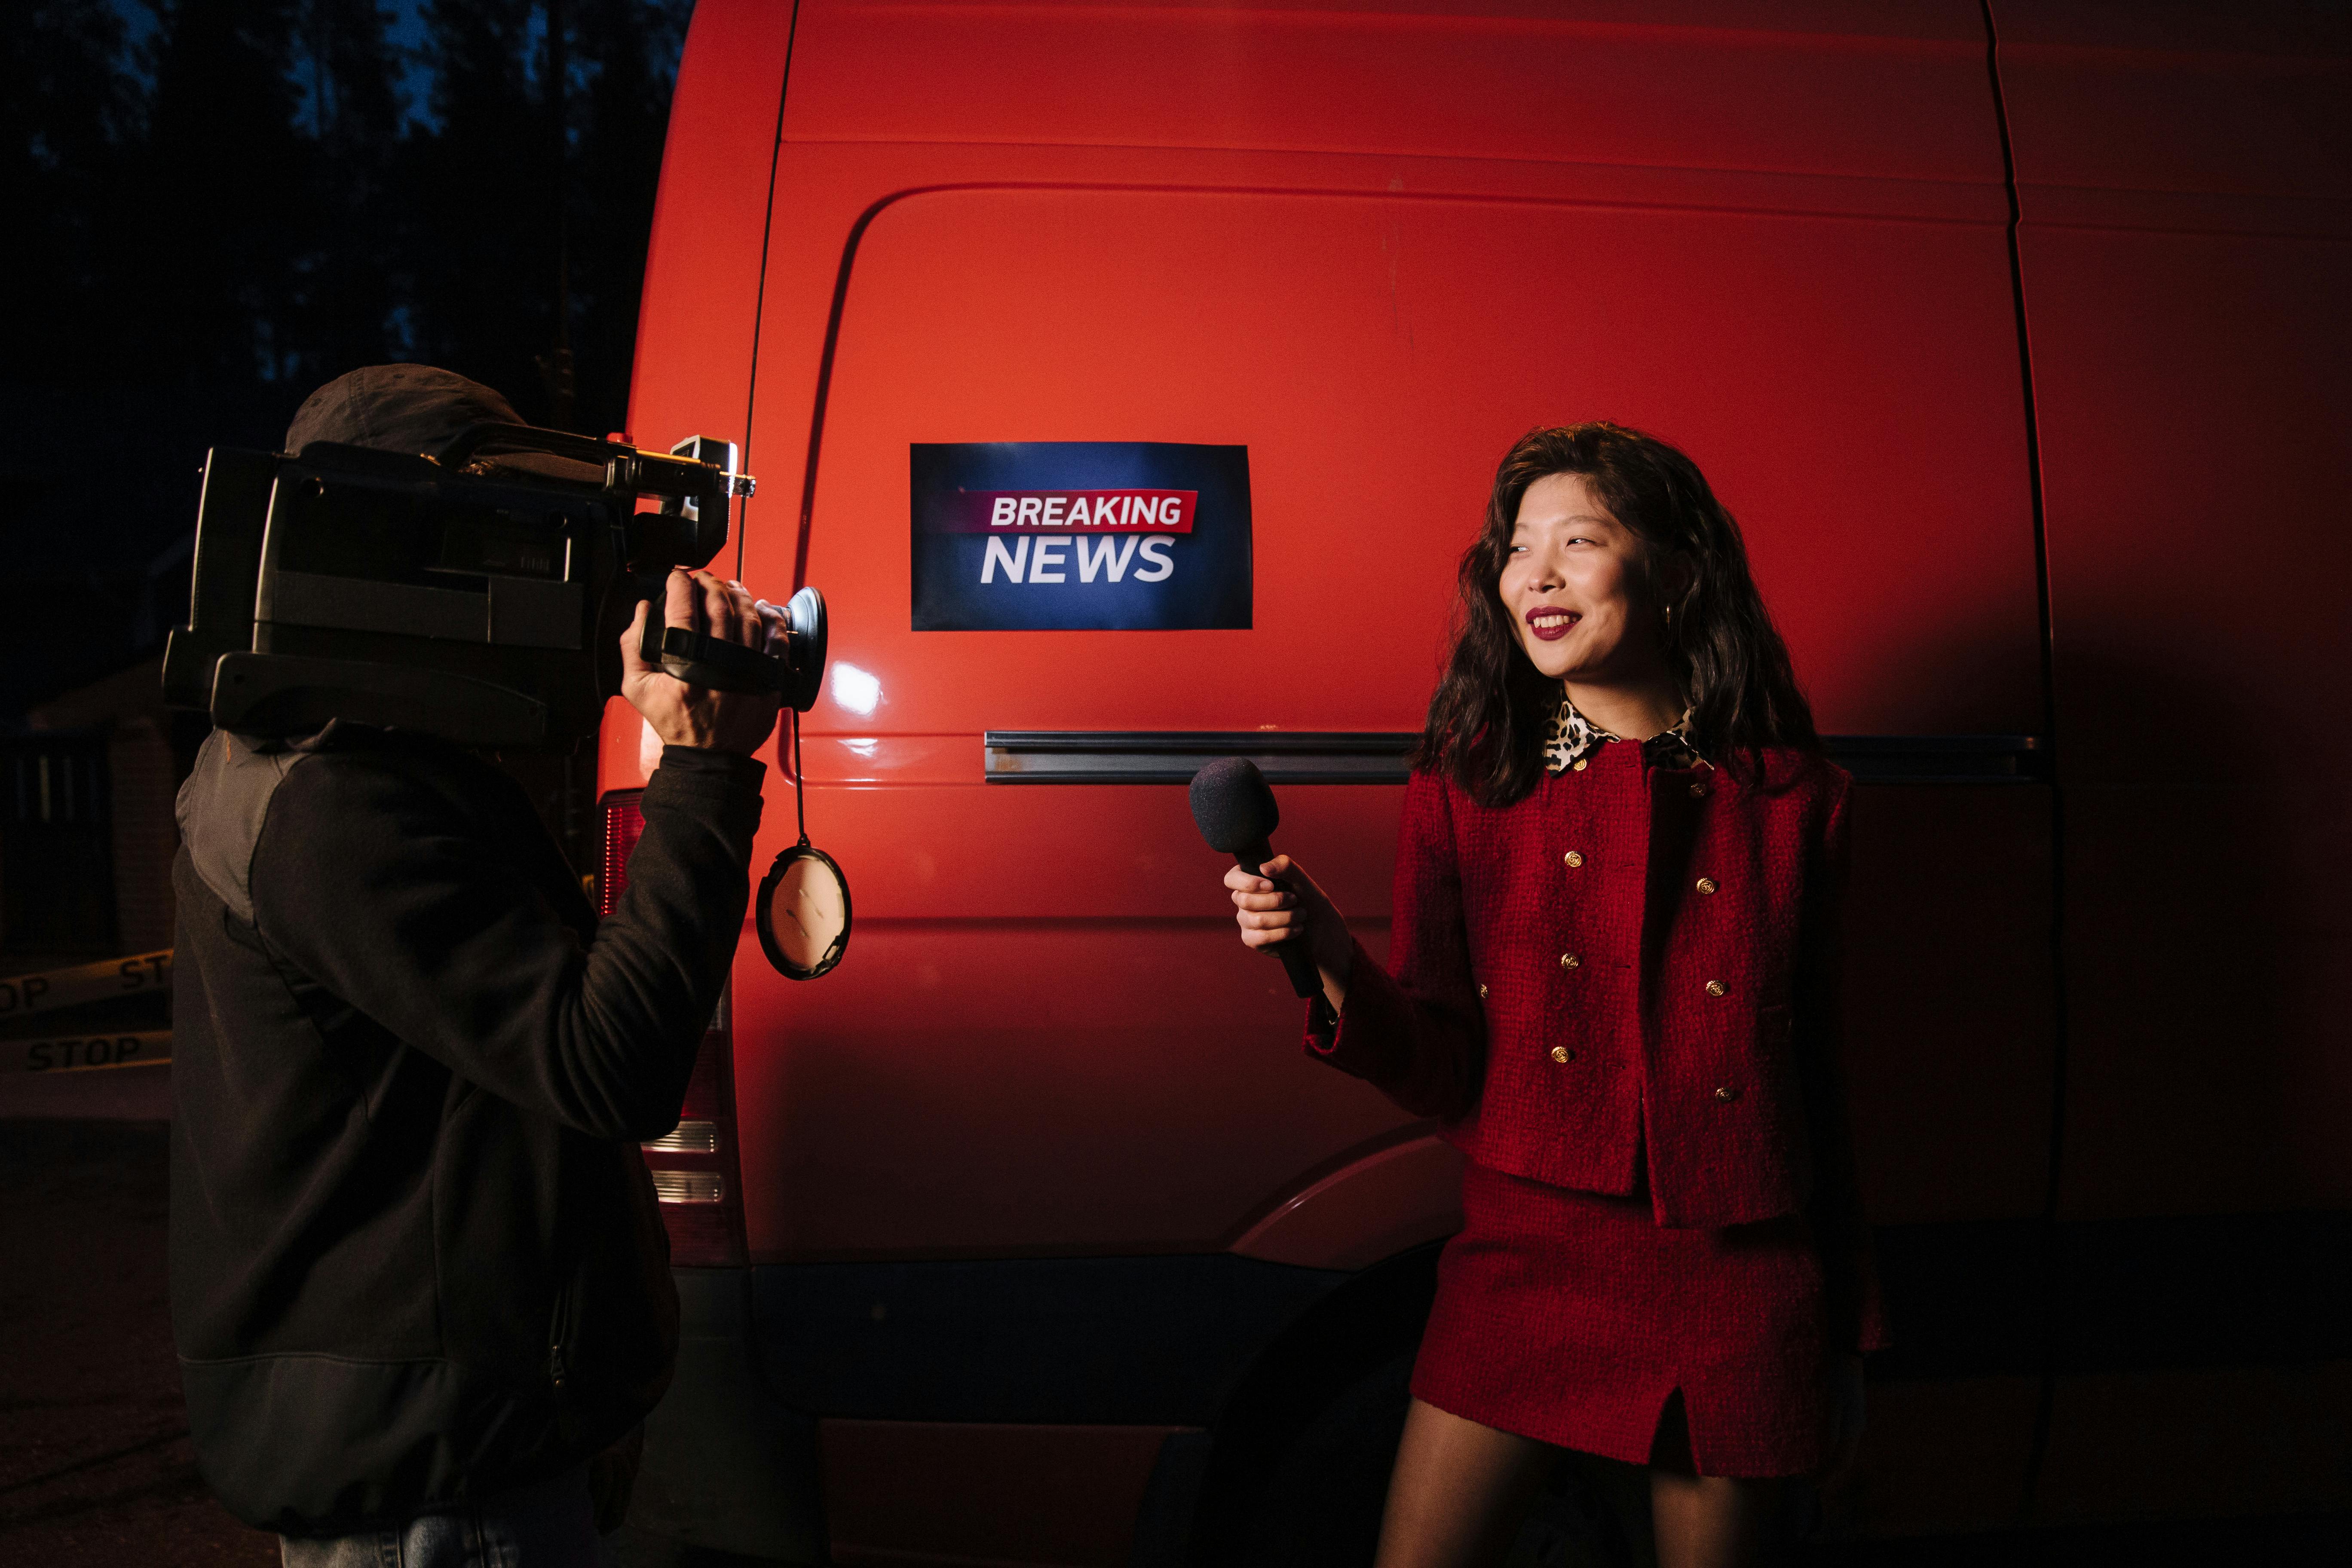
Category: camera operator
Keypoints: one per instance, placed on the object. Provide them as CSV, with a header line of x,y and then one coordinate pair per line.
x,y
419,1282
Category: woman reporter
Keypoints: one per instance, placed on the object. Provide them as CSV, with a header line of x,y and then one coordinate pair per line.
x,y
1613,974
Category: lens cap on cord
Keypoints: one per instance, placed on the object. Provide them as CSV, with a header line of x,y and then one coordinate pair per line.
x,y
802,910
803,913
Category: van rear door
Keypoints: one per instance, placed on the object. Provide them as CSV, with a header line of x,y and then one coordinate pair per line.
x,y
1372,250
1049,1033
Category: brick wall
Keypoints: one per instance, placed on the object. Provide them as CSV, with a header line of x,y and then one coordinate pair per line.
x,y
146,835
142,781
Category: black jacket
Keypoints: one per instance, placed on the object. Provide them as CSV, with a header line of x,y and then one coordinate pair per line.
x,y
415,1256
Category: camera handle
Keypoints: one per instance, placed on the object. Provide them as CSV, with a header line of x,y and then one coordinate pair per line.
x,y
461,448
700,659
693,489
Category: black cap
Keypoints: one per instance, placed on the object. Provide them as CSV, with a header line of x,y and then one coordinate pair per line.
x,y
415,408
397,407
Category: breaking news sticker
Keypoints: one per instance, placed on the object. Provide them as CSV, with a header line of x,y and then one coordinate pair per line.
x,y
1080,536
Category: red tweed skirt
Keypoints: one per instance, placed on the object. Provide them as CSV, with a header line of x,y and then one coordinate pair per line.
x,y
1572,1317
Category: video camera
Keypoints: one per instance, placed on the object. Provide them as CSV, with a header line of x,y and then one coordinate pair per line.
x,y
478,594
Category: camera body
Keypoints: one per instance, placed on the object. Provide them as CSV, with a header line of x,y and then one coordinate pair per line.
x,y
479,595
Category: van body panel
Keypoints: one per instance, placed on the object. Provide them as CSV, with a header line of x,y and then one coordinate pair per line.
x,y
2139,103
970,853
1013,1088
1159,1339
693,362
2212,1441
1950,1001
1946,1454
1430,327
1374,1207
1373,247
1876,92
2189,336
1427,330
698,319
826,195
1044,1040
2184,244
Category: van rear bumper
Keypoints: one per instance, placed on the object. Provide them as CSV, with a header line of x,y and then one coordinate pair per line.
x,y
727,1466
1007,1356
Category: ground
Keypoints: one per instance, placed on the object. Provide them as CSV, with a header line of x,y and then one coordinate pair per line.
x,y
96,1470
95,1466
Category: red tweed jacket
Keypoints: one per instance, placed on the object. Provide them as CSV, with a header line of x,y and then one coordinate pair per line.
x,y
1629,977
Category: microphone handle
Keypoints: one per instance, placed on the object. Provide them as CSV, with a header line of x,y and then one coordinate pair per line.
x,y
1296,959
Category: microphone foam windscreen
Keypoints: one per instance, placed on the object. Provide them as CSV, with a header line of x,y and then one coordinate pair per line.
x,y
1232,805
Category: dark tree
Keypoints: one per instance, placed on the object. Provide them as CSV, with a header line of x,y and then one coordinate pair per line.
x,y
222,213
64,119
617,159
487,240
355,276
261,196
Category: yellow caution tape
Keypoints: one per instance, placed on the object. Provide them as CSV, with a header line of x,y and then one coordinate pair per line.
x,y
27,995
85,1053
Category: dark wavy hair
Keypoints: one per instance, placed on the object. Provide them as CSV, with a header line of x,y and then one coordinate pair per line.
x,y
1488,717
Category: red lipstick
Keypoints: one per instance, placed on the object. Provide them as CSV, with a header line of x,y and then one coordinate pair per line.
x,y
1556,626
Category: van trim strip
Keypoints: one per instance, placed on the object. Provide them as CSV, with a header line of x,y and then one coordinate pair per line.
x,y
1377,756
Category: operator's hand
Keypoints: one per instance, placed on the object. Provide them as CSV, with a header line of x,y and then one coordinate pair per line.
x,y
1298,911
683,715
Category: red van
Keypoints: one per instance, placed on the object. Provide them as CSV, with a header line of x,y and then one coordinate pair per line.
x,y
2015,335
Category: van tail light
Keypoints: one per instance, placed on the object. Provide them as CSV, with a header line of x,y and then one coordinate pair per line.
x,y
624,826
697,1174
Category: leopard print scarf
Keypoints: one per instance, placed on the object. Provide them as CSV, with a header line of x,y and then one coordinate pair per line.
x,y
1573,739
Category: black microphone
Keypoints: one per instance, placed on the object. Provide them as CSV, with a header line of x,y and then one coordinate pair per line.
x,y
1237,815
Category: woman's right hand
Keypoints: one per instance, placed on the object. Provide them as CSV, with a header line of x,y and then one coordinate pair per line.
x,y
1295,911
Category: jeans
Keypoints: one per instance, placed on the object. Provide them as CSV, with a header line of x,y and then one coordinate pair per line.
x,y
547,1525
